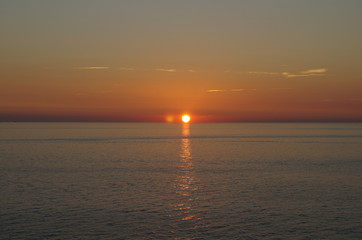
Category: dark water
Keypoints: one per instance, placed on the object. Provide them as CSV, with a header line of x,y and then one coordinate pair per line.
x,y
174,181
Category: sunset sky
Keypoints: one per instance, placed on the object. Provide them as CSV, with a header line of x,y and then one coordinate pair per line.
x,y
143,60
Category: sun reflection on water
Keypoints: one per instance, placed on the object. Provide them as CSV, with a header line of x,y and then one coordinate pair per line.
x,y
186,186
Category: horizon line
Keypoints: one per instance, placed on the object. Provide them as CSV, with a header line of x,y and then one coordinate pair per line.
x,y
179,122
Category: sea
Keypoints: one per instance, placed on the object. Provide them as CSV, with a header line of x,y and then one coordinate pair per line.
x,y
180,181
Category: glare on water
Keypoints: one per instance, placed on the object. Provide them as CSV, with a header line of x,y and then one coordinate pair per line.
x,y
185,182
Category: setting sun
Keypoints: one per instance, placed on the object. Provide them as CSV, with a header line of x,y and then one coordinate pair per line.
x,y
186,118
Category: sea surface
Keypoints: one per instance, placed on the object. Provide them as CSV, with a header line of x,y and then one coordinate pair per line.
x,y
180,181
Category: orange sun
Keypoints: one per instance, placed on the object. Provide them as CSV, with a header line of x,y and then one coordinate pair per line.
x,y
186,118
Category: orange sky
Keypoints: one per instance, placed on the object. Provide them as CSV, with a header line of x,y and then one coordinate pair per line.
x,y
220,61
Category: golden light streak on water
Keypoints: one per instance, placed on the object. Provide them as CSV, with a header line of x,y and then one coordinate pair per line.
x,y
185,183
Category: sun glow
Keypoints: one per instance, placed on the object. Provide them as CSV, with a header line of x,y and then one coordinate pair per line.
x,y
186,118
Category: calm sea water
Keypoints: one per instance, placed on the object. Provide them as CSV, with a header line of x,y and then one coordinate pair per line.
x,y
177,181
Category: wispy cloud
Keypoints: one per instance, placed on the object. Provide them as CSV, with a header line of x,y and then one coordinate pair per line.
x,y
312,71
229,90
165,69
265,73
289,75
215,90
92,68
306,73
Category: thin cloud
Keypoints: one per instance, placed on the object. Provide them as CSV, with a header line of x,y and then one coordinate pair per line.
x,y
265,73
289,75
92,68
312,71
306,73
165,69
229,90
215,90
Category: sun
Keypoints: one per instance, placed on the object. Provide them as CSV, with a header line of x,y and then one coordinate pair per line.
x,y
186,118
